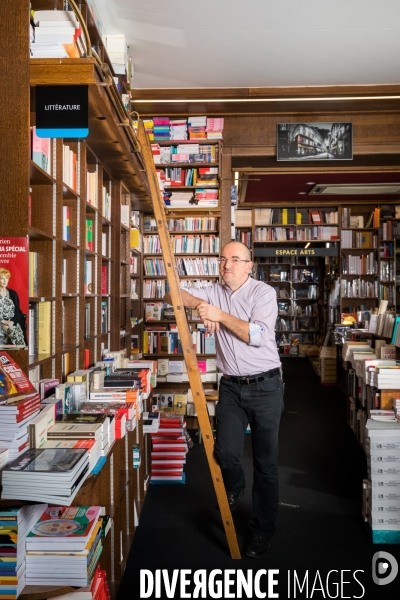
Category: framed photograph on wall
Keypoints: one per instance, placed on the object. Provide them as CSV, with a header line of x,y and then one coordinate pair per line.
x,y
314,141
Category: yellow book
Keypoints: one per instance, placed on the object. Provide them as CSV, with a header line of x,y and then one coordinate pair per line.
x,y
194,176
145,342
298,218
284,216
134,238
44,328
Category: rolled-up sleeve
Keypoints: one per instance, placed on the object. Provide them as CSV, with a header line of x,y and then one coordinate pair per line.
x,y
263,317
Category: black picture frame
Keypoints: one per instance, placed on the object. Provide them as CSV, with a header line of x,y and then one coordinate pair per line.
x,y
314,141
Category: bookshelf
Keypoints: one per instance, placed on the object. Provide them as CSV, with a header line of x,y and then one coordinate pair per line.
x,y
362,274
296,281
368,251
188,173
70,205
195,240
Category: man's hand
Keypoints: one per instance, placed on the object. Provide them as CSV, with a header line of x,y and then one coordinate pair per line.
x,y
211,326
208,312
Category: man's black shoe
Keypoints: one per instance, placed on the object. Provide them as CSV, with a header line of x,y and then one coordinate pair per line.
x,y
233,498
257,547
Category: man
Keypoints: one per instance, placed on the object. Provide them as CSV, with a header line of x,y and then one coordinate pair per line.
x,y
242,314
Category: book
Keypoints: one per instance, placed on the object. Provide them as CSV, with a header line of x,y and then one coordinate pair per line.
x,y
85,430
13,381
63,528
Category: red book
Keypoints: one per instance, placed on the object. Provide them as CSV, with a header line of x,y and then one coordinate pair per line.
x,y
13,380
104,279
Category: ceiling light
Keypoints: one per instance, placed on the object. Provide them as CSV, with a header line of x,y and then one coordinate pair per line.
x,y
302,193
306,246
310,182
226,100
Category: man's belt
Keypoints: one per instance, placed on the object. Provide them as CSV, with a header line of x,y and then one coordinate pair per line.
x,y
252,379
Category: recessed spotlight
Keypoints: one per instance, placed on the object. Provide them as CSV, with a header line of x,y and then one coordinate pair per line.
x,y
310,182
302,193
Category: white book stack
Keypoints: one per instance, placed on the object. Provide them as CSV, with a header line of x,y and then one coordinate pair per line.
x,y
382,446
387,377
54,30
178,129
118,52
46,475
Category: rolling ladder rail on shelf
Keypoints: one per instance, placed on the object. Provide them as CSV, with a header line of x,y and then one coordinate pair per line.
x,y
189,354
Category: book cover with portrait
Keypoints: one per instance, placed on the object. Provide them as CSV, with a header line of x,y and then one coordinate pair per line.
x,y
14,296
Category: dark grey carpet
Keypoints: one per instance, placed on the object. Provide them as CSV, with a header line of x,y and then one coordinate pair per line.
x,y
319,525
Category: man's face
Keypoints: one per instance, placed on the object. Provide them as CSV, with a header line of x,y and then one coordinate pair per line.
x,y
234,265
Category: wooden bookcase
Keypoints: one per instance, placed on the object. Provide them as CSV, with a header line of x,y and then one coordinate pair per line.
x,y
366,261
111,154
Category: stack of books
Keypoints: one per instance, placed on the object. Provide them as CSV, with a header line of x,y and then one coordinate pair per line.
x,y
387,377
64,546
382,506
161,128
169,448
15,524
97,590
15,416
156,152
197,128
57,35
117,52
214,128
19,404
83,427
178,129
206,198
148,126
46,475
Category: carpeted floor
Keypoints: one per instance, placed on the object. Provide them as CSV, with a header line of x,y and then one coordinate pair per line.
x,y
319,527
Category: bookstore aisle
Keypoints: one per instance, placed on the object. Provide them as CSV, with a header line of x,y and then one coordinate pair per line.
x,y
320,527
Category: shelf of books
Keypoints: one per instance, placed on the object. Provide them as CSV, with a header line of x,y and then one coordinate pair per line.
x,y
368,257
69,307
195,241
356,280
79,451
187,155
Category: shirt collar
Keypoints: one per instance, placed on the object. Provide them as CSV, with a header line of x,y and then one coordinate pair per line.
x,y
243,286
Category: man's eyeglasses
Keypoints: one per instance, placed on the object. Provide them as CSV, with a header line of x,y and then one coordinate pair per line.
x,y
235,261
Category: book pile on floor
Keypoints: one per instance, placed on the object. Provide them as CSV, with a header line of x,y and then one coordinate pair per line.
x,y
46,475
382,489
327,364
169,449
15,524
64,546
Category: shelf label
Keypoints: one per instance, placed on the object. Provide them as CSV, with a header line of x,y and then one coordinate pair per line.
x,y
62,111
332,251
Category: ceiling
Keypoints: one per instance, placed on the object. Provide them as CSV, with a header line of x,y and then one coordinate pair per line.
x,y
292,188
258,43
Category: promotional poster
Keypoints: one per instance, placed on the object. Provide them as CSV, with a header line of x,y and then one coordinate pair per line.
x,y
14,260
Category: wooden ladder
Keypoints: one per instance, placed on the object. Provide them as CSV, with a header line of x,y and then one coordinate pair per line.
x,y
186,341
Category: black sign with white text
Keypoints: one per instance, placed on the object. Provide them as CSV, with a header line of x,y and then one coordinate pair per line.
x,y
62,111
